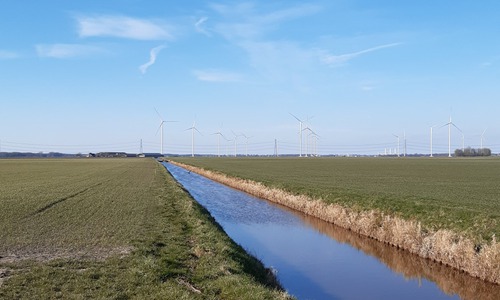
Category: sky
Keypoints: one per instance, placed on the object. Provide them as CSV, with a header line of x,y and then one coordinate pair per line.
x,y
90,76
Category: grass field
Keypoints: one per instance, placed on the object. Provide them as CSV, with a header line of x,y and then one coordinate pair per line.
x,y
458,194
114,229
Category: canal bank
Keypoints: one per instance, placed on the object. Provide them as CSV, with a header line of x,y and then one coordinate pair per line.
x,y
442,246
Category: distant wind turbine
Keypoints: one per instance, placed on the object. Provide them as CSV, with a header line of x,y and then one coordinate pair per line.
x,y
314,137
308,150
300,132
193,128
218,141
160,128
449,124
397,136
235,142
482,136
246,145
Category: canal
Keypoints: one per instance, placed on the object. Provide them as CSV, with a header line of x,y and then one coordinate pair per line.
x,y
314,259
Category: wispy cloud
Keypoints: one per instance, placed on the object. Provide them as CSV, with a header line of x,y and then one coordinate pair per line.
x,y
152,58
66,50
217,76
289,13
8,54
200,28
490,62
245,23
343,58
123,27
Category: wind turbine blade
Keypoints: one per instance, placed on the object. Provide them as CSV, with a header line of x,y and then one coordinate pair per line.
x,y
158,113
159,127
456,127
484,132
445,125
296,117
197,130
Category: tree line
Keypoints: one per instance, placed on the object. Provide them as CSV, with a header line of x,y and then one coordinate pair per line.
x,y
468,152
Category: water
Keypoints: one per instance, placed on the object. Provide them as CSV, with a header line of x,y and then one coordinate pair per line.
x,y
317,260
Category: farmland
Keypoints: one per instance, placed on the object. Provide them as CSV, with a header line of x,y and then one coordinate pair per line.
x,y
114,228
458,194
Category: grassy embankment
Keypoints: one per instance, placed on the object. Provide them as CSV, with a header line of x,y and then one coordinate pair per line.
x,y
114,228
444,209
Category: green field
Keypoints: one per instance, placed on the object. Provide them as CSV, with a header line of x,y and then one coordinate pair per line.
x,y
458,194
114,229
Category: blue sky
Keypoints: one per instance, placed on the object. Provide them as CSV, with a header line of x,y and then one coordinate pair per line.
x,y
87,76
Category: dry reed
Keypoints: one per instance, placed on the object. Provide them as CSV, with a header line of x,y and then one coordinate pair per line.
x,y
443,246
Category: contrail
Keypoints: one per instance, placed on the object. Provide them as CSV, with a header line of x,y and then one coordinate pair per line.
x,y
335,59
152,58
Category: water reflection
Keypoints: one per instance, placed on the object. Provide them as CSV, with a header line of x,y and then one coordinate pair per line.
x,y
317,260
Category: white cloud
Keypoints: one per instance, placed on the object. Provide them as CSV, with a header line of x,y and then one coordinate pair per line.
x,y
216,76
8,54
66,50
343,58
123,27
199,26
152,58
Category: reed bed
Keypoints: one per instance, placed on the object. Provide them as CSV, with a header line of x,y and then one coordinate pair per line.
x,y
441,245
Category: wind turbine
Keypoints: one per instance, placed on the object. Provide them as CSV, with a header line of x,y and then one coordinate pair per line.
x,y
300,132
482,136
449,124
246,145
307,138
193,128
235,142
314,137
397,136
218,141
161,128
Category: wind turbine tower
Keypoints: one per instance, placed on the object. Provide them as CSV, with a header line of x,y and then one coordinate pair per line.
x,y
482,136
235,143
160,128
397,136
193,128
449,124
300,132
218,141
246,145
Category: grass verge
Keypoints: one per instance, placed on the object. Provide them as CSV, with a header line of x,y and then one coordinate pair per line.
x,y
143,236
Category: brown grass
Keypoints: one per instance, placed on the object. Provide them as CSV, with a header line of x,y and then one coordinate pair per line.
x,y
443,246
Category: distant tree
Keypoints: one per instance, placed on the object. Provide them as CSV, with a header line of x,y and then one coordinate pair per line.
x,y
472,152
